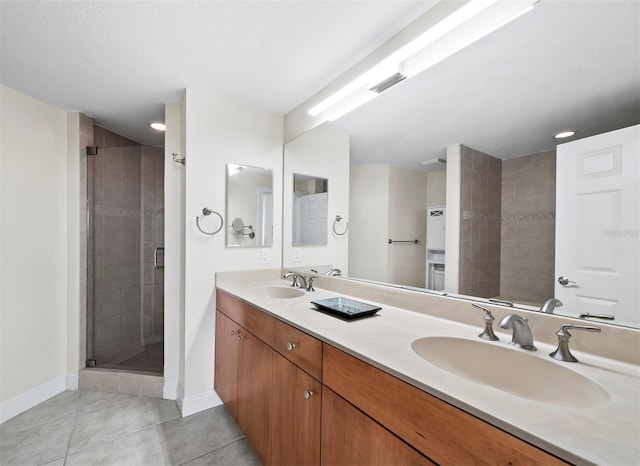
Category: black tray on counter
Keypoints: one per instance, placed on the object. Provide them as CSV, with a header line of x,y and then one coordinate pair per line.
x,y
345,308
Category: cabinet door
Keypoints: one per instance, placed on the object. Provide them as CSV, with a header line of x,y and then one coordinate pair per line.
x,y
350,437
297,399
254,393
226,362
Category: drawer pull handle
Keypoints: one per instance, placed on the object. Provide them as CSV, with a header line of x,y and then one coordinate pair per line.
x,y
290,346
233,332
307,394
240,337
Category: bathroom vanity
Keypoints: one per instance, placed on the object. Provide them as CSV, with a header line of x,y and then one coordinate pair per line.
x,y
308,388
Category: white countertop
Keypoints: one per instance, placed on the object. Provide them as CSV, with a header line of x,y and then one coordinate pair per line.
x,y
605,434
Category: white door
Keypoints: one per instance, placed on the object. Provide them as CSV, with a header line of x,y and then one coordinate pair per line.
x,y
597,220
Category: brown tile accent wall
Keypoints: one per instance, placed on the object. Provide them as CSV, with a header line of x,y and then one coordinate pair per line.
x,y
114,193
528,227
480,224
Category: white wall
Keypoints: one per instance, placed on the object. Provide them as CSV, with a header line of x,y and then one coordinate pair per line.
x,y
437,188
322,153
218,131
39,254
174,229
369,227
407,221
453,177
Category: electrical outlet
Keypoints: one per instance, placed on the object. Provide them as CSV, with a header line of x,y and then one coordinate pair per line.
x,y
296,255
265,256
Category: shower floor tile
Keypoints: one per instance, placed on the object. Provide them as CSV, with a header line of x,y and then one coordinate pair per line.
x,y
150,360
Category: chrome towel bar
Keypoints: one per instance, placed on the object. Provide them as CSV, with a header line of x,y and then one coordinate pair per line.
x,y
414,241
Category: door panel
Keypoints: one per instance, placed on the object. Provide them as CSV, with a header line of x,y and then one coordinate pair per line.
x,y
597,220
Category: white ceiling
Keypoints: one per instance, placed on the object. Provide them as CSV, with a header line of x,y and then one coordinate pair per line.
x,y
120,61
566,64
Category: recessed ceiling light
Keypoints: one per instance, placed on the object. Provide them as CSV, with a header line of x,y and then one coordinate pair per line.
x,y
564,134
158,126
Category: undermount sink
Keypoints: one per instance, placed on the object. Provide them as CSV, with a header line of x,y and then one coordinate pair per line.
x,y
278,292
510,370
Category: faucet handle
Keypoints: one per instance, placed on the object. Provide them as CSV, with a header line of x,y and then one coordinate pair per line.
x,y
562,352
310,284
487,333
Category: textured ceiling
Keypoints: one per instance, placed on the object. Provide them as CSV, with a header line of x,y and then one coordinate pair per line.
x,y
120,61
567,64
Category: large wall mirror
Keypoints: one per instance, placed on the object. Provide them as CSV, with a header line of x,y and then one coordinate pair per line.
x,y
481,125
316,187
249,206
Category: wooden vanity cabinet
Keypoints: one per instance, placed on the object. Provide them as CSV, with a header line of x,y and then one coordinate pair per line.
x,y
442,432
350,437
297,400
303,402
259,377
226,363
243,380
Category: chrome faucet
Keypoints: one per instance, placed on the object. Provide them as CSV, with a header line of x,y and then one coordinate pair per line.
x,y
334,273
487,333
522,337
296,276
549,305
562,352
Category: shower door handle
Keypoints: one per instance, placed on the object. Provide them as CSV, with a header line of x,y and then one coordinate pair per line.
x,y
155,259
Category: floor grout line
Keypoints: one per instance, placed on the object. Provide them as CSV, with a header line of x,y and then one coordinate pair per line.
x,y
210,451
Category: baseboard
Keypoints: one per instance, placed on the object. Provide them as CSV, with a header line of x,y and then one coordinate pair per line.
x,y
170,390
196,403
72,382
33,397
179,396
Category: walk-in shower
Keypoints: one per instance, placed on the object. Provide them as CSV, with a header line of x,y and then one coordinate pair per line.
x,y
125,245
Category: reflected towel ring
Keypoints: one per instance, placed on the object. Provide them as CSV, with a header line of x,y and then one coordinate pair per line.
x,y
206,211
338,218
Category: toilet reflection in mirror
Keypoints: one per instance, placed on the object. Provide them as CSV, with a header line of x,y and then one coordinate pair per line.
x,y
310,210
249,216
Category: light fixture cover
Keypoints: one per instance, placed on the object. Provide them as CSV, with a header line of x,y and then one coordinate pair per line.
x,y
158,125
564,134
461,27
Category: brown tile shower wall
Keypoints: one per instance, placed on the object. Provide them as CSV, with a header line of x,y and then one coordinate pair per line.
x,y
152,237
528,227
480,235
116,216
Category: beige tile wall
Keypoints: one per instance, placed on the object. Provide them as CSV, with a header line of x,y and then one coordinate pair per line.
x,y
480,234
528,227
115,314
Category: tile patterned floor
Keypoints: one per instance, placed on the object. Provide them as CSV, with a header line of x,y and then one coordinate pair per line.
x,y
87,428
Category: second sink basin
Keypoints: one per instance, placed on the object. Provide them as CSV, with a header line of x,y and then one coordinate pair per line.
x,y
278,292
510,370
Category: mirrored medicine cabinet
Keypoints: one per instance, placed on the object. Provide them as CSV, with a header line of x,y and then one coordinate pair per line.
x,y
249,218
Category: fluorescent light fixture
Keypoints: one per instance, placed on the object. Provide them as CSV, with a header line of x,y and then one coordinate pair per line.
x,y
481,25
472,21
158,125
564,134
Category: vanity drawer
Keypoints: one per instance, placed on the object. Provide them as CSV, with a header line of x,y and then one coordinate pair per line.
x,y
442,432
298,347
251,318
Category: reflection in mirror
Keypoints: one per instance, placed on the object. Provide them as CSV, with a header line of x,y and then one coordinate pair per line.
x,y
249,206
310,210
503,98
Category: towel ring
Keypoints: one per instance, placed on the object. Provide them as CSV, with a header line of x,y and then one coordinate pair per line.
x,y
338,218
206,211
